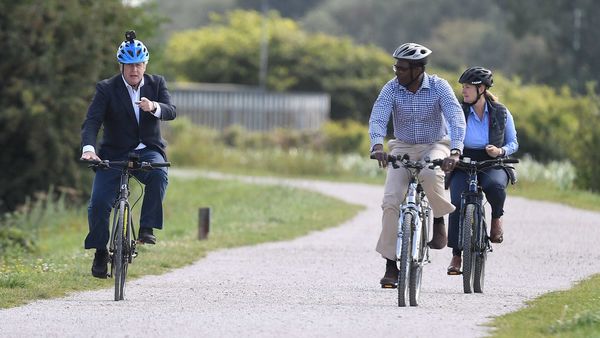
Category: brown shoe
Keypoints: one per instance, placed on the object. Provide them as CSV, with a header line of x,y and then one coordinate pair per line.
x,y
440,239
496,233
390,278
454,268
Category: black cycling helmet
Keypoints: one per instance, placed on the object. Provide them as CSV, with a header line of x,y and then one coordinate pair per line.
x,y
477,76
413,53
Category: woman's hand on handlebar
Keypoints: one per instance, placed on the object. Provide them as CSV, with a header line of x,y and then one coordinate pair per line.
x,y
380,155
493,151
90,156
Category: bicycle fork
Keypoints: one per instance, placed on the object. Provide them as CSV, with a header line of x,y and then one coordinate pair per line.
x,y
412,207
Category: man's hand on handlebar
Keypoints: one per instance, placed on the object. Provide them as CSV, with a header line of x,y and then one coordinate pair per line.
x,y
90,156
380,155
450,162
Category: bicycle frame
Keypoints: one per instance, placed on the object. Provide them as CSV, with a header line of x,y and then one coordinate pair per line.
x,y
123,197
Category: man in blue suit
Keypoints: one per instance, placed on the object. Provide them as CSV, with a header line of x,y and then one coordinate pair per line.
x,y
130,106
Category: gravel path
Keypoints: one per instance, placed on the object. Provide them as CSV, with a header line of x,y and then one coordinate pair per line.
x,y
326,283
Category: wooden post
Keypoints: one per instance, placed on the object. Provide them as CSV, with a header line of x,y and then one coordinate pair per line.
x,y
203,223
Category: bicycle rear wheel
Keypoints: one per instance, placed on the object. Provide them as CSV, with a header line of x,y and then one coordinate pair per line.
x,y
405,261
469,254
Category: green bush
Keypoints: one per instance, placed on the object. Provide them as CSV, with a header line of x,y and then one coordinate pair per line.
x,y
346,136
227,52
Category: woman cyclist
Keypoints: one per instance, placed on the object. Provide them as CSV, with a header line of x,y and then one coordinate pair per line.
x,y
490,133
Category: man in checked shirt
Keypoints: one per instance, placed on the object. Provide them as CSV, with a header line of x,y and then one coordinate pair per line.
x,y
428,122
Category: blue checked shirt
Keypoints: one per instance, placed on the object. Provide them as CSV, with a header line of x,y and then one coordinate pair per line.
x,y
420,118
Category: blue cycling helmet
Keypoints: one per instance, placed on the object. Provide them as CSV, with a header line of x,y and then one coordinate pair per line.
x,y
132,51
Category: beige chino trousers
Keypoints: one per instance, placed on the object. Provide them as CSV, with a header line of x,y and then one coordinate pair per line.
x,y
396,185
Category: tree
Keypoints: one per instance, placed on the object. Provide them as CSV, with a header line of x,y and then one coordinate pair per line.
x,y
569,33
52,54
228,52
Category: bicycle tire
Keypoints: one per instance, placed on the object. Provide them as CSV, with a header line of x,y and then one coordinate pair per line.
x,y
118,254
405,261
479,277
469,254
126,248
416,272
481,257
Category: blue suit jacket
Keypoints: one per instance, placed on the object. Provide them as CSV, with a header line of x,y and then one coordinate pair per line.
x,y
112,108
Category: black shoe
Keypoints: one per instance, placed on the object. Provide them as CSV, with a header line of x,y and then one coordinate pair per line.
x,y
390,279
146,236
100,264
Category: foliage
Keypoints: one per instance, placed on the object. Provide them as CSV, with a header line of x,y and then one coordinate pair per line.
x,y
228,51
52,53
569,32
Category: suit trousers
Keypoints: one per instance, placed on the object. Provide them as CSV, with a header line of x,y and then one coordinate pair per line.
x,y
396,186
105,191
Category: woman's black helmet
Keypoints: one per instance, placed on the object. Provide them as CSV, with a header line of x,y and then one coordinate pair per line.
x,y
477,76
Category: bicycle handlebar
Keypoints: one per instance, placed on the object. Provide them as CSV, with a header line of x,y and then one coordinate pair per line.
x,y
405,161
105,164
467,163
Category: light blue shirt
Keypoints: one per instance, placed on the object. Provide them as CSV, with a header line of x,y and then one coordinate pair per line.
x,y
478,131
421,117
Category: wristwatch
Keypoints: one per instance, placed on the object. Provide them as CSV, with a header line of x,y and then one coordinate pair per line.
x,y
454,152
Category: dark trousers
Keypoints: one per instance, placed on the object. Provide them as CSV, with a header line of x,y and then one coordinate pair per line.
x,y
105,191
493,182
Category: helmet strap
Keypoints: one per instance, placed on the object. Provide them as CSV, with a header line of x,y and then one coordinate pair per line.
x,y
415,78
478,95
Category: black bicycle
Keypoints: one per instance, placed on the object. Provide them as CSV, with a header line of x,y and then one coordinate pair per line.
x,y
414,226
123,239
472,230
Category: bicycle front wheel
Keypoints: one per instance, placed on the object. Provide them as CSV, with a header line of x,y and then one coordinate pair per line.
x,y
405,260
416,271
481,255
479,276
120,259
469,254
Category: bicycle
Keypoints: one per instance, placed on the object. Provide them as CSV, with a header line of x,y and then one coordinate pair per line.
x,y
472,230
414,226
123,239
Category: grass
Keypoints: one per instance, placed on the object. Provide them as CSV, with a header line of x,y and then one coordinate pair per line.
x,y
570,313
255,218
241,214
545,191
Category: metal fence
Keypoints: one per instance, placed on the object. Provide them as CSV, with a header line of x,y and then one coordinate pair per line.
x,y
219,106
